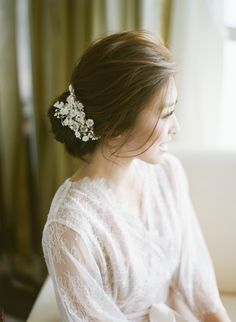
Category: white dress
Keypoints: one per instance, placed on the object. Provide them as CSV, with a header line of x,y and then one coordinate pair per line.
x,y
108,264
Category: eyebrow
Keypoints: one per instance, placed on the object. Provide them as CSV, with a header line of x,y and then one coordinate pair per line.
x,y
171,104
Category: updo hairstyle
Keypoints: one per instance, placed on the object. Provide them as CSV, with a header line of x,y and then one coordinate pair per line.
x,y
115,78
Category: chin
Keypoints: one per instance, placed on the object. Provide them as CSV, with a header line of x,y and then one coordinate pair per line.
x,y
152,158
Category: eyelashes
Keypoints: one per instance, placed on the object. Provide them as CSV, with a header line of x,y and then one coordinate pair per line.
x,y
169,114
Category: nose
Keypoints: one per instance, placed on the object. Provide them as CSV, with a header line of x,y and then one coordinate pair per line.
x,y
175,127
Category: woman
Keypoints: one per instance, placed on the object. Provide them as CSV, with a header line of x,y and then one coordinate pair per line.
x,y
121,241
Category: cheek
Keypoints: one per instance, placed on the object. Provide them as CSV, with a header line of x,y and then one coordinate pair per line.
x,y
150,129
159,134
149,133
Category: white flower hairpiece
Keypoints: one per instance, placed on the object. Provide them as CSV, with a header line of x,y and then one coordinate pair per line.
x,y
72,115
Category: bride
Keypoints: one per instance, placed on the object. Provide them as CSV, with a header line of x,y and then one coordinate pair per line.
x,y
122,241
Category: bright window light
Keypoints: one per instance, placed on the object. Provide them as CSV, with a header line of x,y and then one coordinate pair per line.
x,y
230,13
228,101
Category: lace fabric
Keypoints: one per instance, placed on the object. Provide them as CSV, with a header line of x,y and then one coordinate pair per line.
x,y
109,264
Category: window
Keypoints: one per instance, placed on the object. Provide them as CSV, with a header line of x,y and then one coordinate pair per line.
x,y
228,117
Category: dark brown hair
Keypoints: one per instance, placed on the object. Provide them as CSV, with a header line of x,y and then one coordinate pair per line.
x,y
115,78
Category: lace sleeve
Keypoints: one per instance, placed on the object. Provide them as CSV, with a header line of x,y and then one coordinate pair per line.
x,y
195,276
77,279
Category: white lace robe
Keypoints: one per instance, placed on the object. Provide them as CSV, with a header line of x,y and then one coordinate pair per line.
x,y
108,264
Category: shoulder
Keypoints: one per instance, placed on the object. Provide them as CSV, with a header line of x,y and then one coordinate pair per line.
x,y
77,215
71,217
75,206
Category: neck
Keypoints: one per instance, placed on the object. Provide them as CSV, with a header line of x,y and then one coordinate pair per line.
x,y
119,173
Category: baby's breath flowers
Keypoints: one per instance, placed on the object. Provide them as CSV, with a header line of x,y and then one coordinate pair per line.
x,y
72,115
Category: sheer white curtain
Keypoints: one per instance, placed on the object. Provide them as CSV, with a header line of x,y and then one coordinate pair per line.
x,y
196,39
145,14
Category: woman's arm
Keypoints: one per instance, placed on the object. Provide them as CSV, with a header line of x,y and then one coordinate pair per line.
x,y
78,282
220,316
177,302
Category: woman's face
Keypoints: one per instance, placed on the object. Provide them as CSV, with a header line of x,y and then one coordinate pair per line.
x,y
167,125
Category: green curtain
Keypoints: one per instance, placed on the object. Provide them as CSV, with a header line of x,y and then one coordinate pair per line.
x,y
60,30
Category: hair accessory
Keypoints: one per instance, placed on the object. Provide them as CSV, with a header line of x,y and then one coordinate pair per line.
x,y
72,115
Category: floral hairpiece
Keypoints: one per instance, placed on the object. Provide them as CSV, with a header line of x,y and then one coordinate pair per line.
x,y
72,115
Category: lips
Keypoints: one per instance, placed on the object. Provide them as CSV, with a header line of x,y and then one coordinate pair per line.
x,y
165,142
163,147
